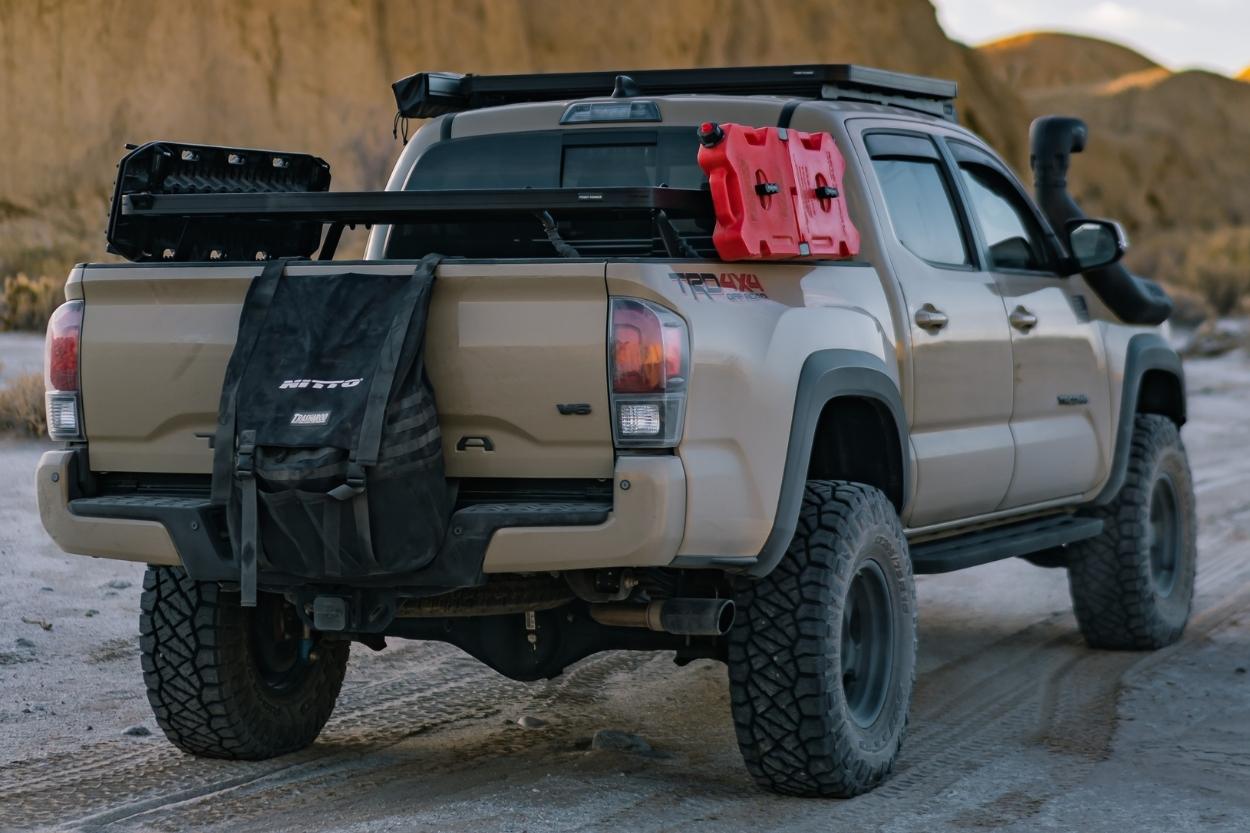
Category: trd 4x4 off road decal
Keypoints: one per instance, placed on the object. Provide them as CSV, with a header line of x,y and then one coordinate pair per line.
x,y
319,384
730,286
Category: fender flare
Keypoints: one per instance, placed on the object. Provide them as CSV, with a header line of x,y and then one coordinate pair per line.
x,y
1146,352
827,375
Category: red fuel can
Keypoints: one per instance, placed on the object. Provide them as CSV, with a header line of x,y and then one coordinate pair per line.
x,y
777,193
824,223
752,182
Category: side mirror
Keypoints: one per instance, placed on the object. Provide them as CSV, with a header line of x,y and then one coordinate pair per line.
x,y
1095,243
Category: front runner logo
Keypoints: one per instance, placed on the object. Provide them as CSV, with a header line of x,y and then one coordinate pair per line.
x,y
319,384
313,418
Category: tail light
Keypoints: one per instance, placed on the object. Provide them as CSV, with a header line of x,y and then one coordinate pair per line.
x,y
60,372
650,366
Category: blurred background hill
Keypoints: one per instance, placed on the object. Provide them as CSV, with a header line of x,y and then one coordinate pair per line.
x,y
1167,153
78,78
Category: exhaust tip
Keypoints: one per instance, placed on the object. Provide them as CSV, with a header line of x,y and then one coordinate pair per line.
x,y
682,617
697,617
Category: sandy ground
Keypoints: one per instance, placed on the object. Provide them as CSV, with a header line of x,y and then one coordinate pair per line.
x,y
1015,724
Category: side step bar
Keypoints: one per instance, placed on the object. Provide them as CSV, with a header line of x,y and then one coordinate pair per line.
x,y
996,543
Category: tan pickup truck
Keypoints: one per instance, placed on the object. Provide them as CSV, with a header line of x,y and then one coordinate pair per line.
x,y
645,447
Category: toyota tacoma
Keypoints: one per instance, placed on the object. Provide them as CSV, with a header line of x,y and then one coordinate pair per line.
x,y
706,361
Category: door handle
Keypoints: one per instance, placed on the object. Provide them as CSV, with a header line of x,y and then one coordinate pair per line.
x,y
1022,319
931,319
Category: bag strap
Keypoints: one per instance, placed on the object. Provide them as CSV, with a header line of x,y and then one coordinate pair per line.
x,y
234,462
416,297
251,322
249,532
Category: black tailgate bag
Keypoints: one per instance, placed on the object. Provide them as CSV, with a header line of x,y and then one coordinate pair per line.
x,y
328,454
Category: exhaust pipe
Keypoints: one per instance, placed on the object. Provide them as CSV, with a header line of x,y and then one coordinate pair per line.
x,y
683,617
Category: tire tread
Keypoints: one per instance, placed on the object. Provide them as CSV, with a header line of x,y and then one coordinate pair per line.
x,y
1109,575
793,738
200,681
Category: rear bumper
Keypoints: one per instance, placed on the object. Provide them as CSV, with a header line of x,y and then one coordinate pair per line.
x,y
642,527
128,539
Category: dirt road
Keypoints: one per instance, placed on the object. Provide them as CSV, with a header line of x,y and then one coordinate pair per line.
x,y
1015,724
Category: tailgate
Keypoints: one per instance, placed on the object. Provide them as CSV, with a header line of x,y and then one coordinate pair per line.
x,y
507,343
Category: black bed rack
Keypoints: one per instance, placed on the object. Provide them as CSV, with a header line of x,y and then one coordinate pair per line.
x,y
368,208
234,226
179,202
429,94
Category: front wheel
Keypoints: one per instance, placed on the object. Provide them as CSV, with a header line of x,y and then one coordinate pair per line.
x,y
822,656
226,681
1132,585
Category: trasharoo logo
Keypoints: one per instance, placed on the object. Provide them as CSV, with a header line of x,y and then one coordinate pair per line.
x,y
319,384
316,418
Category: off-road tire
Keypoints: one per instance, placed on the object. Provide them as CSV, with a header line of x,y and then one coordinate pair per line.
x,y
796,729
1122,600
204,680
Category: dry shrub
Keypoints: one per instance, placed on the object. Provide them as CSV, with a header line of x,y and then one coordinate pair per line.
x,y
29,302
1189,307
1215,264
21,406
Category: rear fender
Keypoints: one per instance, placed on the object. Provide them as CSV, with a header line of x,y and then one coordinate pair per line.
x,y
829,375
754,327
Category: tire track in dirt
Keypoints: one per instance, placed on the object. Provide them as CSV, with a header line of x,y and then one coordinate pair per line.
x,y
1037,685
464,771
106,788
953,711
382,711
1067,705
1037,688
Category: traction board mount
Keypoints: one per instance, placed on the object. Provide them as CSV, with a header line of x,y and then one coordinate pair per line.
x,y
777,193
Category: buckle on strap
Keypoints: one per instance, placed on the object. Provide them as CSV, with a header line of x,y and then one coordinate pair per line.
x,y
353,485
245,457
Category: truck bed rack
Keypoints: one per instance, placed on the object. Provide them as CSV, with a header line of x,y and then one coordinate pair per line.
x,y
246,226
181,202
374,207
428,94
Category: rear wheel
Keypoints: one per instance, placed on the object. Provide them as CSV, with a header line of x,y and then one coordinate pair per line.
x,y
226,681
822,655
1133,584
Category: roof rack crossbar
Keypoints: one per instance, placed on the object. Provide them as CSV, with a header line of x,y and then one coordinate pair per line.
x,y
429,94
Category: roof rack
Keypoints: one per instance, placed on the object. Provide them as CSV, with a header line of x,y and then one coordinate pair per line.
x,y
429,94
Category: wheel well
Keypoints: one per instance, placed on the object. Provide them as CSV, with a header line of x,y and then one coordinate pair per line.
x,y
856,439
1161,392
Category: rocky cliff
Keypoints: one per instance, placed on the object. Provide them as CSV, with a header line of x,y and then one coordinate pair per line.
x,y
78,78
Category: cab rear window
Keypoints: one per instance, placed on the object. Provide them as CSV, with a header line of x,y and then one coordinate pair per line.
x,y
562,158
588,158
